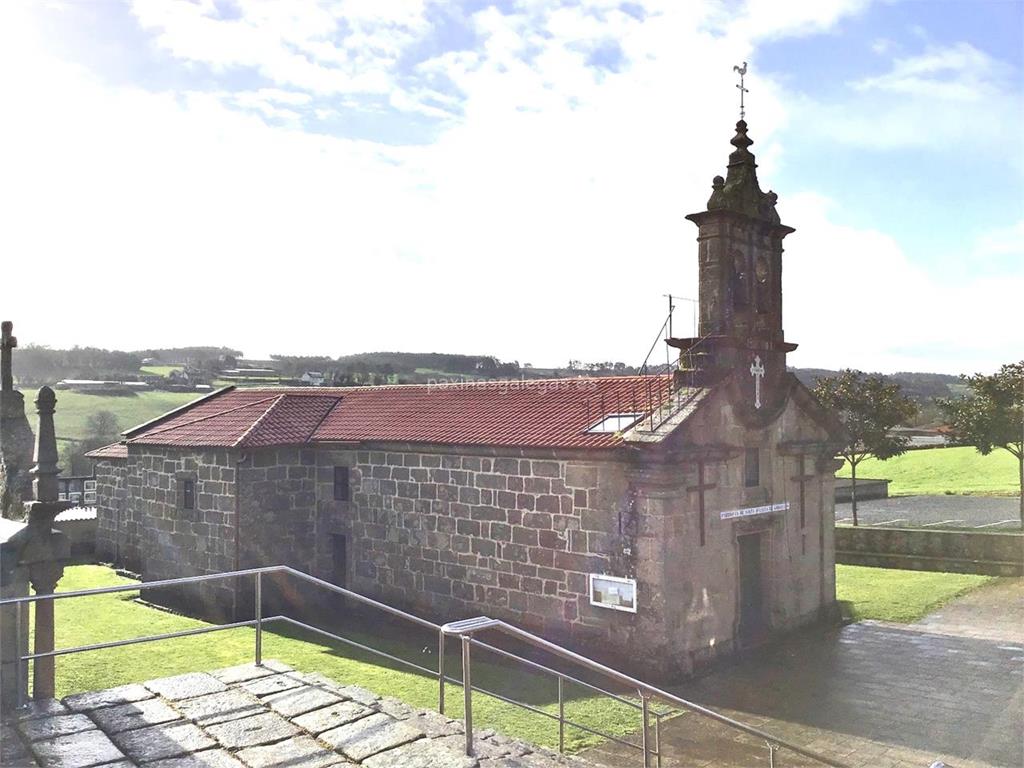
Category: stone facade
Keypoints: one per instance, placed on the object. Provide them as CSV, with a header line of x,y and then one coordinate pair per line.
x,y
512,535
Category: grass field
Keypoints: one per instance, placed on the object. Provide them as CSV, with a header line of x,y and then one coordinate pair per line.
x,y
160,370
74,408
938,471
118,616
903,596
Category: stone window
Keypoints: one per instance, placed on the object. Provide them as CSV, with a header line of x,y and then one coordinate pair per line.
x,y
752,467
341,483
188,494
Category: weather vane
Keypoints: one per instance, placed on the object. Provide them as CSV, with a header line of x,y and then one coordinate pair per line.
x,y
742,70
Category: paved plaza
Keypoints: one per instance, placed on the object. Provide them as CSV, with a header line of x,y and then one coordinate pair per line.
x,y
871,694
984,512
251,717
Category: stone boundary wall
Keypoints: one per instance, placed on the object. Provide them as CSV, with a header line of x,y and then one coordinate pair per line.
x,y
993,554
867,489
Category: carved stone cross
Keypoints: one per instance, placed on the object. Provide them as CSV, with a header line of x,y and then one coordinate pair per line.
x,y
699,488
757,371
7,343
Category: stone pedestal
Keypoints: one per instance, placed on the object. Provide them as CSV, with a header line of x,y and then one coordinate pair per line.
x,y
13,640
16,440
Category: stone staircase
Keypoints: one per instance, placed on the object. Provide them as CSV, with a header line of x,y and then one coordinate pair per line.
x,y
255,717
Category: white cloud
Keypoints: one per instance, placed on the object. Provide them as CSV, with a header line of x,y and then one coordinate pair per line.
x,y
853,299
544,222
943,96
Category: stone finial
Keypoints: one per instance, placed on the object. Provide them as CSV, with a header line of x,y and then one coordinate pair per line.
x,y
740,191
44,473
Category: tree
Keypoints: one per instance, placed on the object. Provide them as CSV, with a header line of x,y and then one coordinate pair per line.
x,y
869,408
992,416
101,428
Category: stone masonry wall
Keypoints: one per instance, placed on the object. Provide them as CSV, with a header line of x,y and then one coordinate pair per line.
x,y
117,532
174,541
506,536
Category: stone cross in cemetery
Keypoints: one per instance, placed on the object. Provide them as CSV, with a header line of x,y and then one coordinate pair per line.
x,y
7,343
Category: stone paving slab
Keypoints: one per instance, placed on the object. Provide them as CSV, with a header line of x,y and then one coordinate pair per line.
x,y
186,686
298,701
266,686
162,741
39,728
137,714
43,708
421,754
232,704
264,728
78,750
209,758
369,735
300,752
250,717
341,713
123,694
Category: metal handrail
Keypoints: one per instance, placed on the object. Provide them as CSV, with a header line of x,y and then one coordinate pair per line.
x,y
464,629
467,628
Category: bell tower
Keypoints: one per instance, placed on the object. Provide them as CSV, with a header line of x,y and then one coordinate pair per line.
x,y
740,290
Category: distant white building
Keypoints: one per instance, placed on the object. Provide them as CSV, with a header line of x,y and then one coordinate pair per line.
x,y
312,378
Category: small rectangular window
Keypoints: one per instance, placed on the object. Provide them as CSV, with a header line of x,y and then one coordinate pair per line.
x,y
752,468
341,483
188,494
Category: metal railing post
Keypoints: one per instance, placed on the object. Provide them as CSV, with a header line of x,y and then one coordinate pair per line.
x,y
467,694
771,754
440,672
19,668
259,618
644,707
561,716
657,737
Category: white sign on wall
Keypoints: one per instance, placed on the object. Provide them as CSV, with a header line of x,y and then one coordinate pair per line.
x,y
613,592
782,506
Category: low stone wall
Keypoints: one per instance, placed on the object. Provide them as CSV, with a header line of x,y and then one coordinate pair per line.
x,y
80,528
867,488
992,554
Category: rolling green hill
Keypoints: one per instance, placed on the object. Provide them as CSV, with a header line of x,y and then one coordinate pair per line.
x,y
74,408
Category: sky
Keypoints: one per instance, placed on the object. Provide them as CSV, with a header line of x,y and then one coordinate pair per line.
x,y
507,179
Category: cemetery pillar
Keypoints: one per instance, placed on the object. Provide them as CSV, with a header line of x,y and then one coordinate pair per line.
x,y
45,550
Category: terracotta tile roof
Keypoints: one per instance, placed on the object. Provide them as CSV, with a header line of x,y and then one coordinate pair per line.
x,y
552,413
112,451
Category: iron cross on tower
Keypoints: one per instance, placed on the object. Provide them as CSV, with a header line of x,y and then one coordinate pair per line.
x,y
742,70
757,371
7,343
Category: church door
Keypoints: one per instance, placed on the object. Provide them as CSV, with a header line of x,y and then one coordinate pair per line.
x,y
751,594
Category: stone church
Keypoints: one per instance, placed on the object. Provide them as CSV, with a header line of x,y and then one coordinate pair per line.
x,y
660,521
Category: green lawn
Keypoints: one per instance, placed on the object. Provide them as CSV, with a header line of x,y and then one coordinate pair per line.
x,y
937,471
102,618
904,596
74,408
